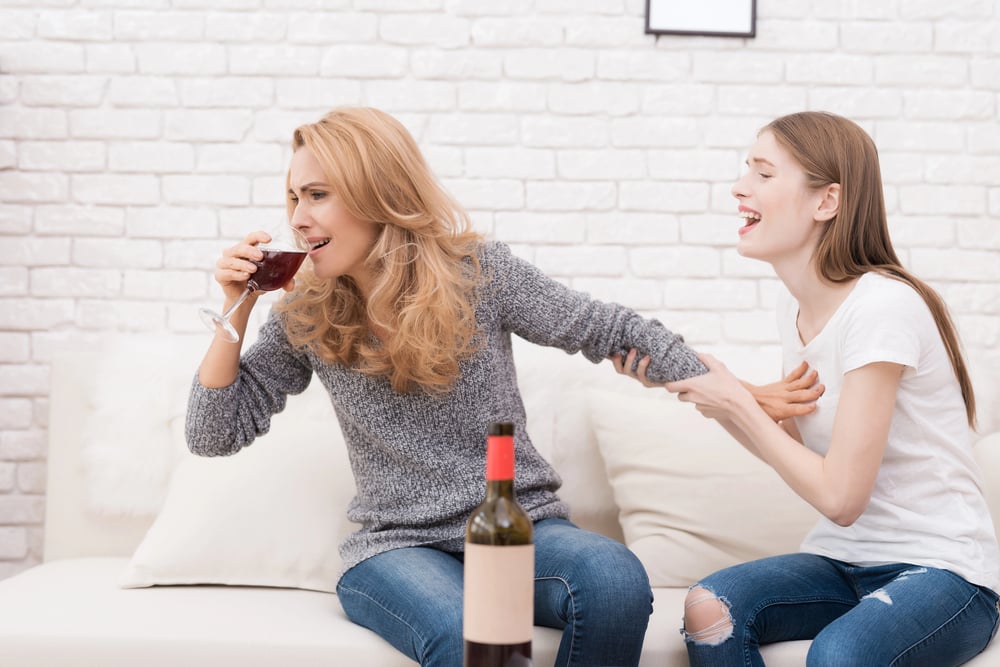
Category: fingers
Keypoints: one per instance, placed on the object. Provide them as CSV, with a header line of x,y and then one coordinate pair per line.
x,y
805,381
233,269
800,378
237,262
618,361
806,395
640,371
797,373
627,365
677,387
799,410
708,359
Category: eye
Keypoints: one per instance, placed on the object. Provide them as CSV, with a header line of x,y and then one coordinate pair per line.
x,y
317,194
293,199
764,176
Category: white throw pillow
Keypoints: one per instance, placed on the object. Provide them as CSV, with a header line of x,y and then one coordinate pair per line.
x,y
270,515
132,400
692,500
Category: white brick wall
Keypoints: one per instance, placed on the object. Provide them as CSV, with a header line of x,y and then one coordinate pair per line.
x,y
137,137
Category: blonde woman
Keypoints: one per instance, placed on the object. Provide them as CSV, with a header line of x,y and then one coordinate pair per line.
x,y
406,317
902,566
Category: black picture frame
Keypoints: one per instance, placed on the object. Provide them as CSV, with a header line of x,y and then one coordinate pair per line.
x,y
713,18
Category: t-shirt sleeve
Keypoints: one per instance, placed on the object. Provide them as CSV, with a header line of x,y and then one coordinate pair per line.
x,y
884,325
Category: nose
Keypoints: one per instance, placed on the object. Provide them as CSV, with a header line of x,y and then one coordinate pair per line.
x,y
739,189
298,219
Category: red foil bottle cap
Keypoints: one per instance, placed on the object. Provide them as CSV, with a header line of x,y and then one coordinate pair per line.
x,y
500,452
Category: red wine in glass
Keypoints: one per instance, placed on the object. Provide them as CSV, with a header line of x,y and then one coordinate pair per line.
x,y
283,255
277,268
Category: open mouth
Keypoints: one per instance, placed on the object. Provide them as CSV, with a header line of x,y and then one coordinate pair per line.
x,y
750,219
318,244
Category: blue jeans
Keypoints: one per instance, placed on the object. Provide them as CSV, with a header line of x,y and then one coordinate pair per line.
x,y
591,587
856,616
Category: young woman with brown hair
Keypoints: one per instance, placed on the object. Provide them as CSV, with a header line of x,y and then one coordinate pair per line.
x,y
900,569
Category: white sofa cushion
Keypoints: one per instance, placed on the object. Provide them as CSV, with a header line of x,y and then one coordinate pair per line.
x,y
691,499
271,515
70,613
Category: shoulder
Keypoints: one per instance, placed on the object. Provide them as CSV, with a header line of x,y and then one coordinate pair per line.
x,y
499,263
882,286
491,251
882,297
274,326
886,320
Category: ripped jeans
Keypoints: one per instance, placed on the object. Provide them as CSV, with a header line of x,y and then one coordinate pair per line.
x,y
856,616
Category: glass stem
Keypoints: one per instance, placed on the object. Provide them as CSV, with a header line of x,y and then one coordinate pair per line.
x,y
243,297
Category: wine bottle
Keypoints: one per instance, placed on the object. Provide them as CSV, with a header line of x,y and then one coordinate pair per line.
x,y
498,611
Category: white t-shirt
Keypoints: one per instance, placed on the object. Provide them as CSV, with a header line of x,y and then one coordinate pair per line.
x,y
927,507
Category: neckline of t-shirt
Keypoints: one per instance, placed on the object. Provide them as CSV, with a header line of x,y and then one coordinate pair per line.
x,y
837,314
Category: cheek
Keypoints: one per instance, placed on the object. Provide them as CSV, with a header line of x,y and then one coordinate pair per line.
x,y
359,237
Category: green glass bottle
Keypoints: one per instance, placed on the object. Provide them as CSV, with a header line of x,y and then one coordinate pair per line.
x,y
498,611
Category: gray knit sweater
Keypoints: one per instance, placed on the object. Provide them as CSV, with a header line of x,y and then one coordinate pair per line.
x,y
419,459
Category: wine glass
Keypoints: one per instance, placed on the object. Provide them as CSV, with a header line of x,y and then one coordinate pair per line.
x,y
283,255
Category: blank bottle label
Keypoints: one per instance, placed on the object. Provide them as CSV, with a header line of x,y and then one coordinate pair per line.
x,y
499,593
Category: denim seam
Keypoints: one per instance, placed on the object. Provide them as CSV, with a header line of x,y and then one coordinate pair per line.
x,y
423,642
775,602
572,602
929,636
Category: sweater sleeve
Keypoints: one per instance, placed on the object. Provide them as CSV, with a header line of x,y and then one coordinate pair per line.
x,y
222,421
543,311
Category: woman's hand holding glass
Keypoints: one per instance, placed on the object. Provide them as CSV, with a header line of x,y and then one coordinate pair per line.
x,y
261,262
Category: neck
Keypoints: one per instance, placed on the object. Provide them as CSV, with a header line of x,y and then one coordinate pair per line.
x,y
364,282
817,297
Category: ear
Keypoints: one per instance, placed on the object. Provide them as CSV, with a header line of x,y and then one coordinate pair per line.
x,y
829,204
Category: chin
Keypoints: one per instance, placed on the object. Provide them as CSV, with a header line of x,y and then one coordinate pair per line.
x,y
746,250
324,274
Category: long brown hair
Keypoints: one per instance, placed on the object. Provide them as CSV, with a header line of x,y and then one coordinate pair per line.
x,y
424,260
833,149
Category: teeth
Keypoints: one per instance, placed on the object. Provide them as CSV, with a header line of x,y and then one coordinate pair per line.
x,y
320,244
748,215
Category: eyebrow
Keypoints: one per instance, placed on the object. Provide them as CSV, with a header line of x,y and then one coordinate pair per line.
x,y
308,186
758,160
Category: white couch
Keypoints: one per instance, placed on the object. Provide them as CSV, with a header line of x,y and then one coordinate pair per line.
x,y
637,465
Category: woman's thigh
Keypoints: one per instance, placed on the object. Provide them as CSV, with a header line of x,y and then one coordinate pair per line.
x,y
922,616
570,561
411,597
589,585
595,590
781,598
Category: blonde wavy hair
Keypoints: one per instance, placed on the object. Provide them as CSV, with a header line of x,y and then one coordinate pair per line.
x,y
833,149
424,260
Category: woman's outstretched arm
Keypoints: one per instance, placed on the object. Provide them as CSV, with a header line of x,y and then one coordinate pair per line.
x,y
838,484
794,395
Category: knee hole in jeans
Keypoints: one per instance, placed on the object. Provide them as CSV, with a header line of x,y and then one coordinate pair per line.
x,y
706,617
